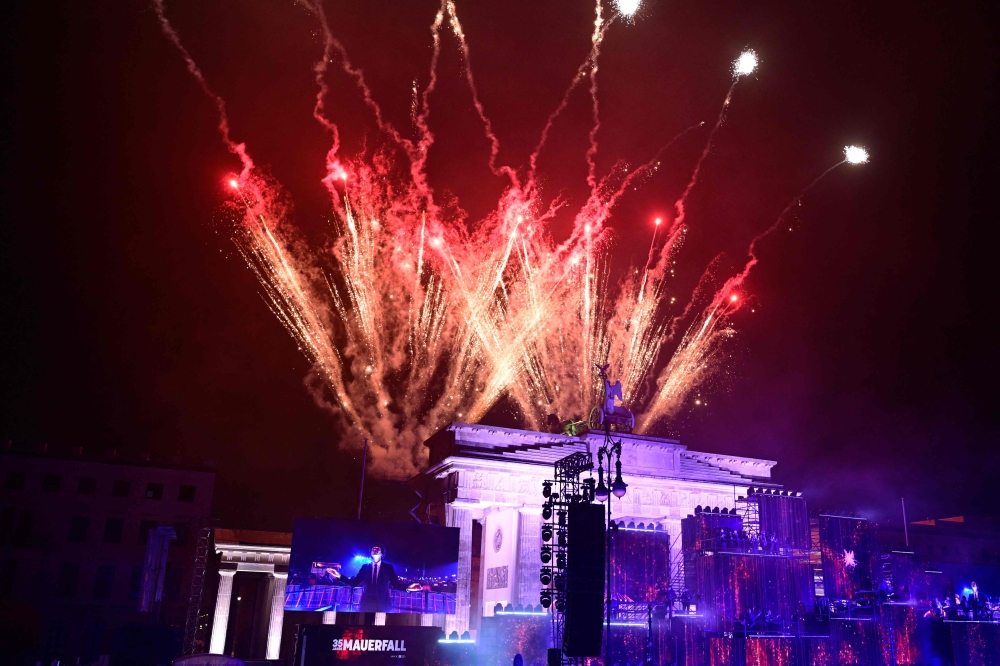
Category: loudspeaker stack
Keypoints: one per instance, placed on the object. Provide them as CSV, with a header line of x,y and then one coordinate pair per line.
x,y
585,566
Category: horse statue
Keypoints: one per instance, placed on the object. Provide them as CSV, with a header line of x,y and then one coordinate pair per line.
x,y
609,412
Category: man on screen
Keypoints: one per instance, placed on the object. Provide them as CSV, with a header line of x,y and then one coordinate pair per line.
x,y
375,579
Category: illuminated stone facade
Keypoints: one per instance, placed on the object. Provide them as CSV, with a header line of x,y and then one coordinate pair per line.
x,y
487,481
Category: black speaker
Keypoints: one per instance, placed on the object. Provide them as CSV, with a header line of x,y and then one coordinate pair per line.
x,y
582,632
553,658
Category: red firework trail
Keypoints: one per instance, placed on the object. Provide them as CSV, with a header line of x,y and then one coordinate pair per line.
x,y
423,318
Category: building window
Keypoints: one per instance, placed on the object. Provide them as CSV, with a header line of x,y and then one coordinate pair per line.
x,y
121,488
92,637
113,530
134,582
51,483
154,491
68,576
104,582
15,481
88,486
185,494
7,573
55,642
22,532
172,583
144,527
7,523
78,527
183,532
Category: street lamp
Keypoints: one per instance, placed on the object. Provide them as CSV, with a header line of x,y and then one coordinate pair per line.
x,y
619,486
602,493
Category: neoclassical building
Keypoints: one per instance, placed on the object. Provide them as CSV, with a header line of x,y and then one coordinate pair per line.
x,y
487,481
260,561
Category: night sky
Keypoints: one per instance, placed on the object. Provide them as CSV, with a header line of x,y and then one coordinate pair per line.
x,y
867,367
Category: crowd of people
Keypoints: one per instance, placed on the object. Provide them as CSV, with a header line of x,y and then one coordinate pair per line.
x,y
687,601
971,606
732,540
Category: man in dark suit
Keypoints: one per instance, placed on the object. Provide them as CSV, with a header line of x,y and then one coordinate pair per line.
x,y
376,579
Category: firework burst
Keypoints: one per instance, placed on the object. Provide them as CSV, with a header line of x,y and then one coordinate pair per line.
x,y
411,318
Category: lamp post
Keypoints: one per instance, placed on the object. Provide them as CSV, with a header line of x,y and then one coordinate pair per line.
x,y
602,493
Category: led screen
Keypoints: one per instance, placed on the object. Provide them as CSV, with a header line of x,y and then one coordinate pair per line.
x,y
372,567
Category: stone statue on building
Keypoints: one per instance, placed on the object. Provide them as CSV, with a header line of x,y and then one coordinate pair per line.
x,y
611,413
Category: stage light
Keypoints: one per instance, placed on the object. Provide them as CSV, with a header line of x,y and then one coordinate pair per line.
x,y
545,554
547,511
545,598
546,489
631,525
561,539
697,510
561,605
561,560
561,517
546,533
560,581
798,493
545,577
750,490
641,526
